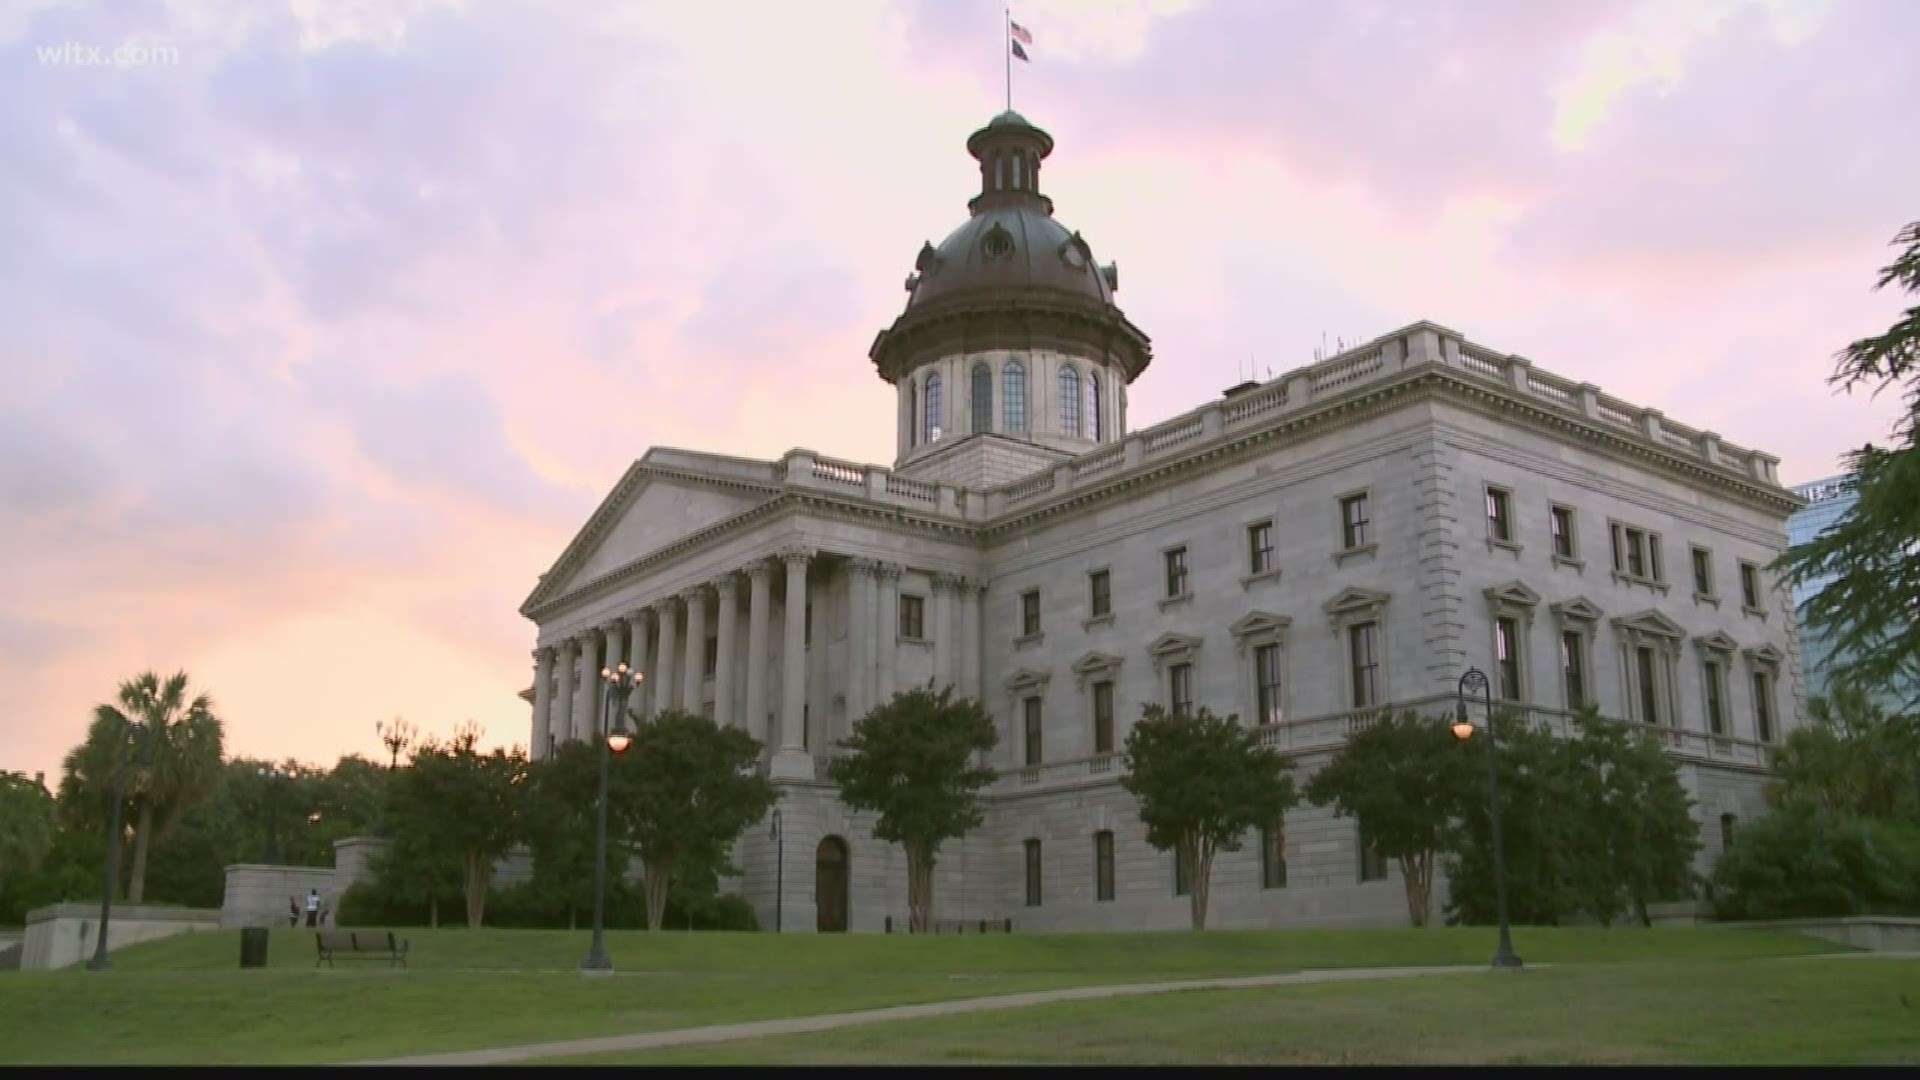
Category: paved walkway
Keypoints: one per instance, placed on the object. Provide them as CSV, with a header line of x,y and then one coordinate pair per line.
x,y
653,1040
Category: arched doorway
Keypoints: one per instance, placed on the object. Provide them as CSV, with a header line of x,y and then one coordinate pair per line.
x,y
830,885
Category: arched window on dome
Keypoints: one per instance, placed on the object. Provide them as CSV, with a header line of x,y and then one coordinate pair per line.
x,y
1069,400
1013,395
913,414
1019,171
1093,405
982,397
933,407
999,171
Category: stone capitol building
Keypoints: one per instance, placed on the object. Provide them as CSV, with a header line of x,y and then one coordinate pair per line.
x,y
1351,535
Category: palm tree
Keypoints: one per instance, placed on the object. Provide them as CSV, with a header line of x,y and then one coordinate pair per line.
x,y
186,758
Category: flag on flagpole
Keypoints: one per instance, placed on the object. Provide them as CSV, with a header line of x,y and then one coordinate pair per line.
x,y
1019,33
1019,53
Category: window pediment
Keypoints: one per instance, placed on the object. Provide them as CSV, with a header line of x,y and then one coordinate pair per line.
x,y
1094,665
1717,641
1579,609
1355,602
1653,623
1259,628
1026,680
1173,648
1513,594
1765,654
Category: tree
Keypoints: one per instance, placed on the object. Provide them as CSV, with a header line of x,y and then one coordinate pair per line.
x,y
1540,827
1202,781
1854,760
911,761
27,827
697,789
1803,861
561,804
455,803
1406,779
1871,607
186,761
1634,820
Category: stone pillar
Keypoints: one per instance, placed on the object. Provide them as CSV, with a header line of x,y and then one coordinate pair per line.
x,y
792,762
583,669
971,594
860,634
724,590
887,639
758,614
560,716
694,667
636,658
542,702
942,630
663,696
614,634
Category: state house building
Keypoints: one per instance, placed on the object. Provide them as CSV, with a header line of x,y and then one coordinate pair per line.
x,y
1351,535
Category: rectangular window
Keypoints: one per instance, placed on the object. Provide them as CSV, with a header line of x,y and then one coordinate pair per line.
x,y
1033,873
1573,668
1561,518
1177,572
1750,585
1500,514
1373,865
1180,885
1702,571
1266,679
1644,668
1100,593
1506,640
1030,612
1103,866
1273,857
1033,730
1103,718
913,616
1260,547
1763,706
1180,689
710,663
1364,664
1716,698
1353,521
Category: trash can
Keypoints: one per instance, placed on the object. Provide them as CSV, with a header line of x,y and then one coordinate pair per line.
x,y
253,947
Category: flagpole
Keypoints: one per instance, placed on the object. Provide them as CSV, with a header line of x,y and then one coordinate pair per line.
x,y
1006,51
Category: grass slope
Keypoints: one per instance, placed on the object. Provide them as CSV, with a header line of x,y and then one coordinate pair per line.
x,y
185,1000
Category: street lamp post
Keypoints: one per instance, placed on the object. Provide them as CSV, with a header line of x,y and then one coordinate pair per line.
x,y
100,961
616,738
1476,680
779,869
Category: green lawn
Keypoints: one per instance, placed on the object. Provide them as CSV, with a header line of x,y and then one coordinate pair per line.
x,y
185,1000
1801,1011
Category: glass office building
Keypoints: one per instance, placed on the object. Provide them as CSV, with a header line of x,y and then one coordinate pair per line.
x,y
1827,501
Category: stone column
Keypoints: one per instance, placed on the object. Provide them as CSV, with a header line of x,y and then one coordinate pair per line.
x,y
758,614
614,652
542,702
971,593
942,630
663,696
887,640
560,716
859,639
693,667
792,762
637,658
724,592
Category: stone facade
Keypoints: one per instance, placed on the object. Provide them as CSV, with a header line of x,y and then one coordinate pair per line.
x,y
1495,493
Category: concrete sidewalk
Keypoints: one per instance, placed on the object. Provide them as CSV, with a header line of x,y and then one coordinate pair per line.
x,y
798,1025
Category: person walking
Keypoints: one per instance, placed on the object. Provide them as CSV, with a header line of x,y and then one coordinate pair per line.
x,y
313,907
293,911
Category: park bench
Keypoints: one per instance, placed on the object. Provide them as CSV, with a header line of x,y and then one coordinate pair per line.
x,y
360,941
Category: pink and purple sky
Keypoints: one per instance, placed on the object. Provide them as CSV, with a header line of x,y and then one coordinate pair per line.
x,y
322,332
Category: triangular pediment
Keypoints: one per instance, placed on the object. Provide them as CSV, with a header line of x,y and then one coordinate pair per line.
x,y
647,511
1578,608
1095,663
1513,592
1027,679
1765,654
1172,644
1651,622
1354,599
1259,622
1717,641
